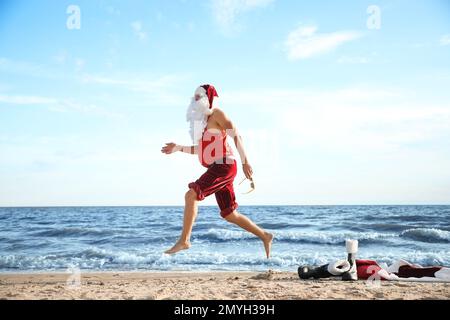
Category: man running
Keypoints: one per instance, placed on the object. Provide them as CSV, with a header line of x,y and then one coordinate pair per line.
x,y
209,128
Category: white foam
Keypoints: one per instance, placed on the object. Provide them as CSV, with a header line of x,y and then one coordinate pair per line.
x,y
427,235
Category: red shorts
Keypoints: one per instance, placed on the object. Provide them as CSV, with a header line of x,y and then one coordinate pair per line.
x,y
218,179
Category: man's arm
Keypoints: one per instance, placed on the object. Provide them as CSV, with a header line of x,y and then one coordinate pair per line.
x,y
188,149
221,118
171,147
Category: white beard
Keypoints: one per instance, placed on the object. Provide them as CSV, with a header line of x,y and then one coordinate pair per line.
x,y
197,116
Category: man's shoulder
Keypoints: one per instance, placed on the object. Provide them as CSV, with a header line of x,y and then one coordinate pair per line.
x,y
221,119
217,112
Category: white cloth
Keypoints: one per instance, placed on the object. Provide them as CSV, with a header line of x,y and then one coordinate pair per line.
x,y
351,246
197,116
337,268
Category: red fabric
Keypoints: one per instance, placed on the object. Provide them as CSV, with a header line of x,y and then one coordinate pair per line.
x,y
417,272
211,93
218,179
213,146
366,268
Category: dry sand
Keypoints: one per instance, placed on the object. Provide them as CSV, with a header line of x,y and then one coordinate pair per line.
x,y
207,285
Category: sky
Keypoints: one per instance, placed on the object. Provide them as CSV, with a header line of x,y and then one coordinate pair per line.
x,y
337,103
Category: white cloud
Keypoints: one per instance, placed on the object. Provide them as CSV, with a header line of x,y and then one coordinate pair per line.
x,y
38,70
138,29
304,42
84,108
134,84
347,120
29,100
354,129
58,105
64,57
22,67
226,12
445,40
160,89
353,60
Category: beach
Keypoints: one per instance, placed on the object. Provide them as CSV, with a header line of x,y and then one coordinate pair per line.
x,y
210,285
118,252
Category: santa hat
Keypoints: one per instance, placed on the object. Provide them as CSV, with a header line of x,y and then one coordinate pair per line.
x,y
208,91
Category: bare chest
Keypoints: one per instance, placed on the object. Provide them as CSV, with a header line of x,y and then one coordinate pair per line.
x,y
213,124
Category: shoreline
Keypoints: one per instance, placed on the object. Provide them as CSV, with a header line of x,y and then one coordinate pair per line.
x,y
206,285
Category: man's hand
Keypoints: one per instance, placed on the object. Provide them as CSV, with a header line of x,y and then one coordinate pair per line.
x,y
248,171
170,148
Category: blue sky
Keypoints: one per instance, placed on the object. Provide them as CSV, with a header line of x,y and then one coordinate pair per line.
x,y
331,109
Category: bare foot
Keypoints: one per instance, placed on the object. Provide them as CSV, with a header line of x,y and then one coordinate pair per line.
x,y
178,247
268,237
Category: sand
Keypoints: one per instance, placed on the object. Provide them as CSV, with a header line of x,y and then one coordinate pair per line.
x,y
270,285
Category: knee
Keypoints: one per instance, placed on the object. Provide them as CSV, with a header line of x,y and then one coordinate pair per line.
x,y
190,196
232,217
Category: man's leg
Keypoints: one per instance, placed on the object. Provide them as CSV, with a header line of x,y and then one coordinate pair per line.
x,y
246,224
190,213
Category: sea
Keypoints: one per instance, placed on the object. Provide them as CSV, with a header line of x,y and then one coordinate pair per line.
x,y
42,239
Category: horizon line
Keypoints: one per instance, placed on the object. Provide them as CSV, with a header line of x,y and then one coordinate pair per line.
x,y
246,205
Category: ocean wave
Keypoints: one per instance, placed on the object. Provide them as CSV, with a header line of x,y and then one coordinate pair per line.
x,y
19,245
204,260
219,235
44,222
100,259
312,237
427,235
283,225
71,232
392,227
92,253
